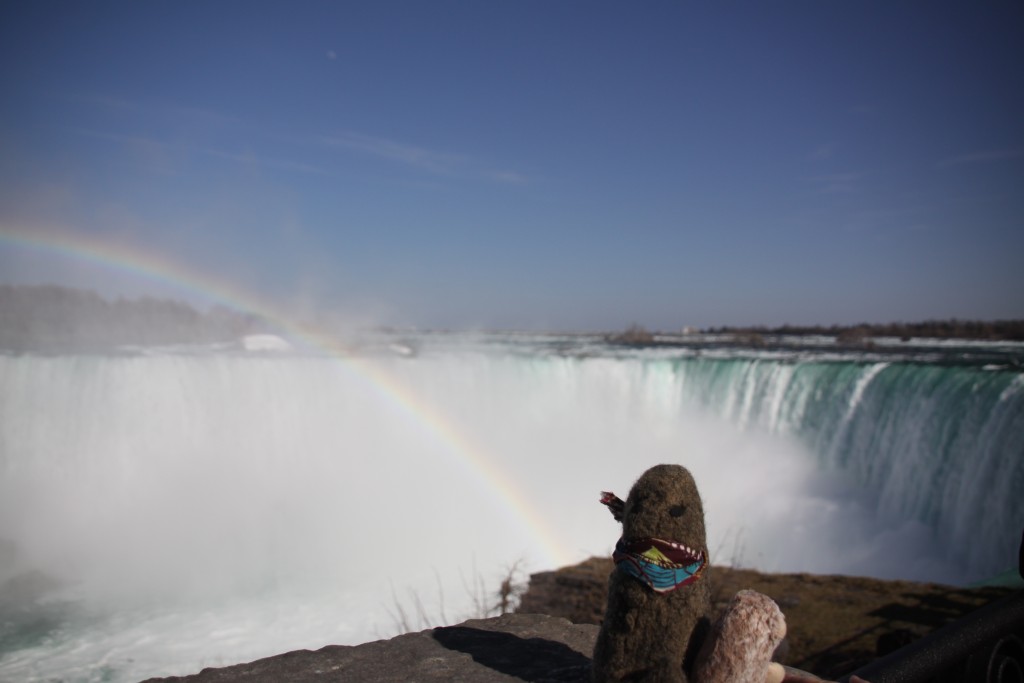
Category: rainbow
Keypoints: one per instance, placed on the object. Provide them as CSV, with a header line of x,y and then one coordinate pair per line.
x,y
470,456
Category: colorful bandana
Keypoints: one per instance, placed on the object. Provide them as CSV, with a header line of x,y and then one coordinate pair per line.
x,y
662,565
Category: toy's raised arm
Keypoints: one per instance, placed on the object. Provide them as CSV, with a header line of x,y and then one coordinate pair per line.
x,y
615,504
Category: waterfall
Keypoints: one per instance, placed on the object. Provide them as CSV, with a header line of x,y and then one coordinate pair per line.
x,y
200,495
936,443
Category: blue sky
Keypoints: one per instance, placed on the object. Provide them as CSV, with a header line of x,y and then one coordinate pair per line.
x,y
530,164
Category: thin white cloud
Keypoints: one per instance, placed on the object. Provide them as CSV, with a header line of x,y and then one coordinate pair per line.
x,y
154,155
156,149
418,157
252,159
431,161
173,112
331,54
117,137
982,157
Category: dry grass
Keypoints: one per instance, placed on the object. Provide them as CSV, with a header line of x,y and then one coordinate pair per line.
x,y
409,614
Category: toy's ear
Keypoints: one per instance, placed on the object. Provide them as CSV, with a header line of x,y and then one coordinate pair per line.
x,y
616,505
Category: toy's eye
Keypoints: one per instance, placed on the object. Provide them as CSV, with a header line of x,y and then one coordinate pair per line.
x,y
677,510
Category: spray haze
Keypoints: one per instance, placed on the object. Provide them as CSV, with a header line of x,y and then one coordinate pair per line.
x,y
511,176
220,488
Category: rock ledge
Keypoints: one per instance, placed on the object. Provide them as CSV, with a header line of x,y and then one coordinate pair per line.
x,y
513,647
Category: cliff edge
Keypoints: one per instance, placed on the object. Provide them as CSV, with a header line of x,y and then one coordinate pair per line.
x,y
836,624
513,647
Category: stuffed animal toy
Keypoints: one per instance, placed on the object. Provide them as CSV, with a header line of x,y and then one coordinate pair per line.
x,y
658,604
657,624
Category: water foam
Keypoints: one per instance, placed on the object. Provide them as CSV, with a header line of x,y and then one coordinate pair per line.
x,y
190,503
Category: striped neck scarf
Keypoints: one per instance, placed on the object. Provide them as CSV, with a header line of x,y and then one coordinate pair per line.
x,y
663,565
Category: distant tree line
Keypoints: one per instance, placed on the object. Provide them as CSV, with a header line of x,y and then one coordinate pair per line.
x,y
998,330
634,335
52,318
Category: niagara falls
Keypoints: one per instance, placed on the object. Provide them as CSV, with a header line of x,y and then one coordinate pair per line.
x,y
331,332
193,494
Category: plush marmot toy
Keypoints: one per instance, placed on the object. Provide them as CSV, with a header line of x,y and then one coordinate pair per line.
x,y
658,604
657,624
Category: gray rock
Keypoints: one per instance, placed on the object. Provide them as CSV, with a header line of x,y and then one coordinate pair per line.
x,y
513,647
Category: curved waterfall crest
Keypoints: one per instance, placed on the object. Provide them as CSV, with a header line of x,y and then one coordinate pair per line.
x,y
192,488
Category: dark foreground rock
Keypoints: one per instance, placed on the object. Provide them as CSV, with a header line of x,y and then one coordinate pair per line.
x,y
836,624
514,647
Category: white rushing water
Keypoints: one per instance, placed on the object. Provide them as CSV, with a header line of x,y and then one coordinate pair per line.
x,y
165,511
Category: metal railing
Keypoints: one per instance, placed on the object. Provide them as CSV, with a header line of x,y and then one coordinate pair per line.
x,y
986,645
